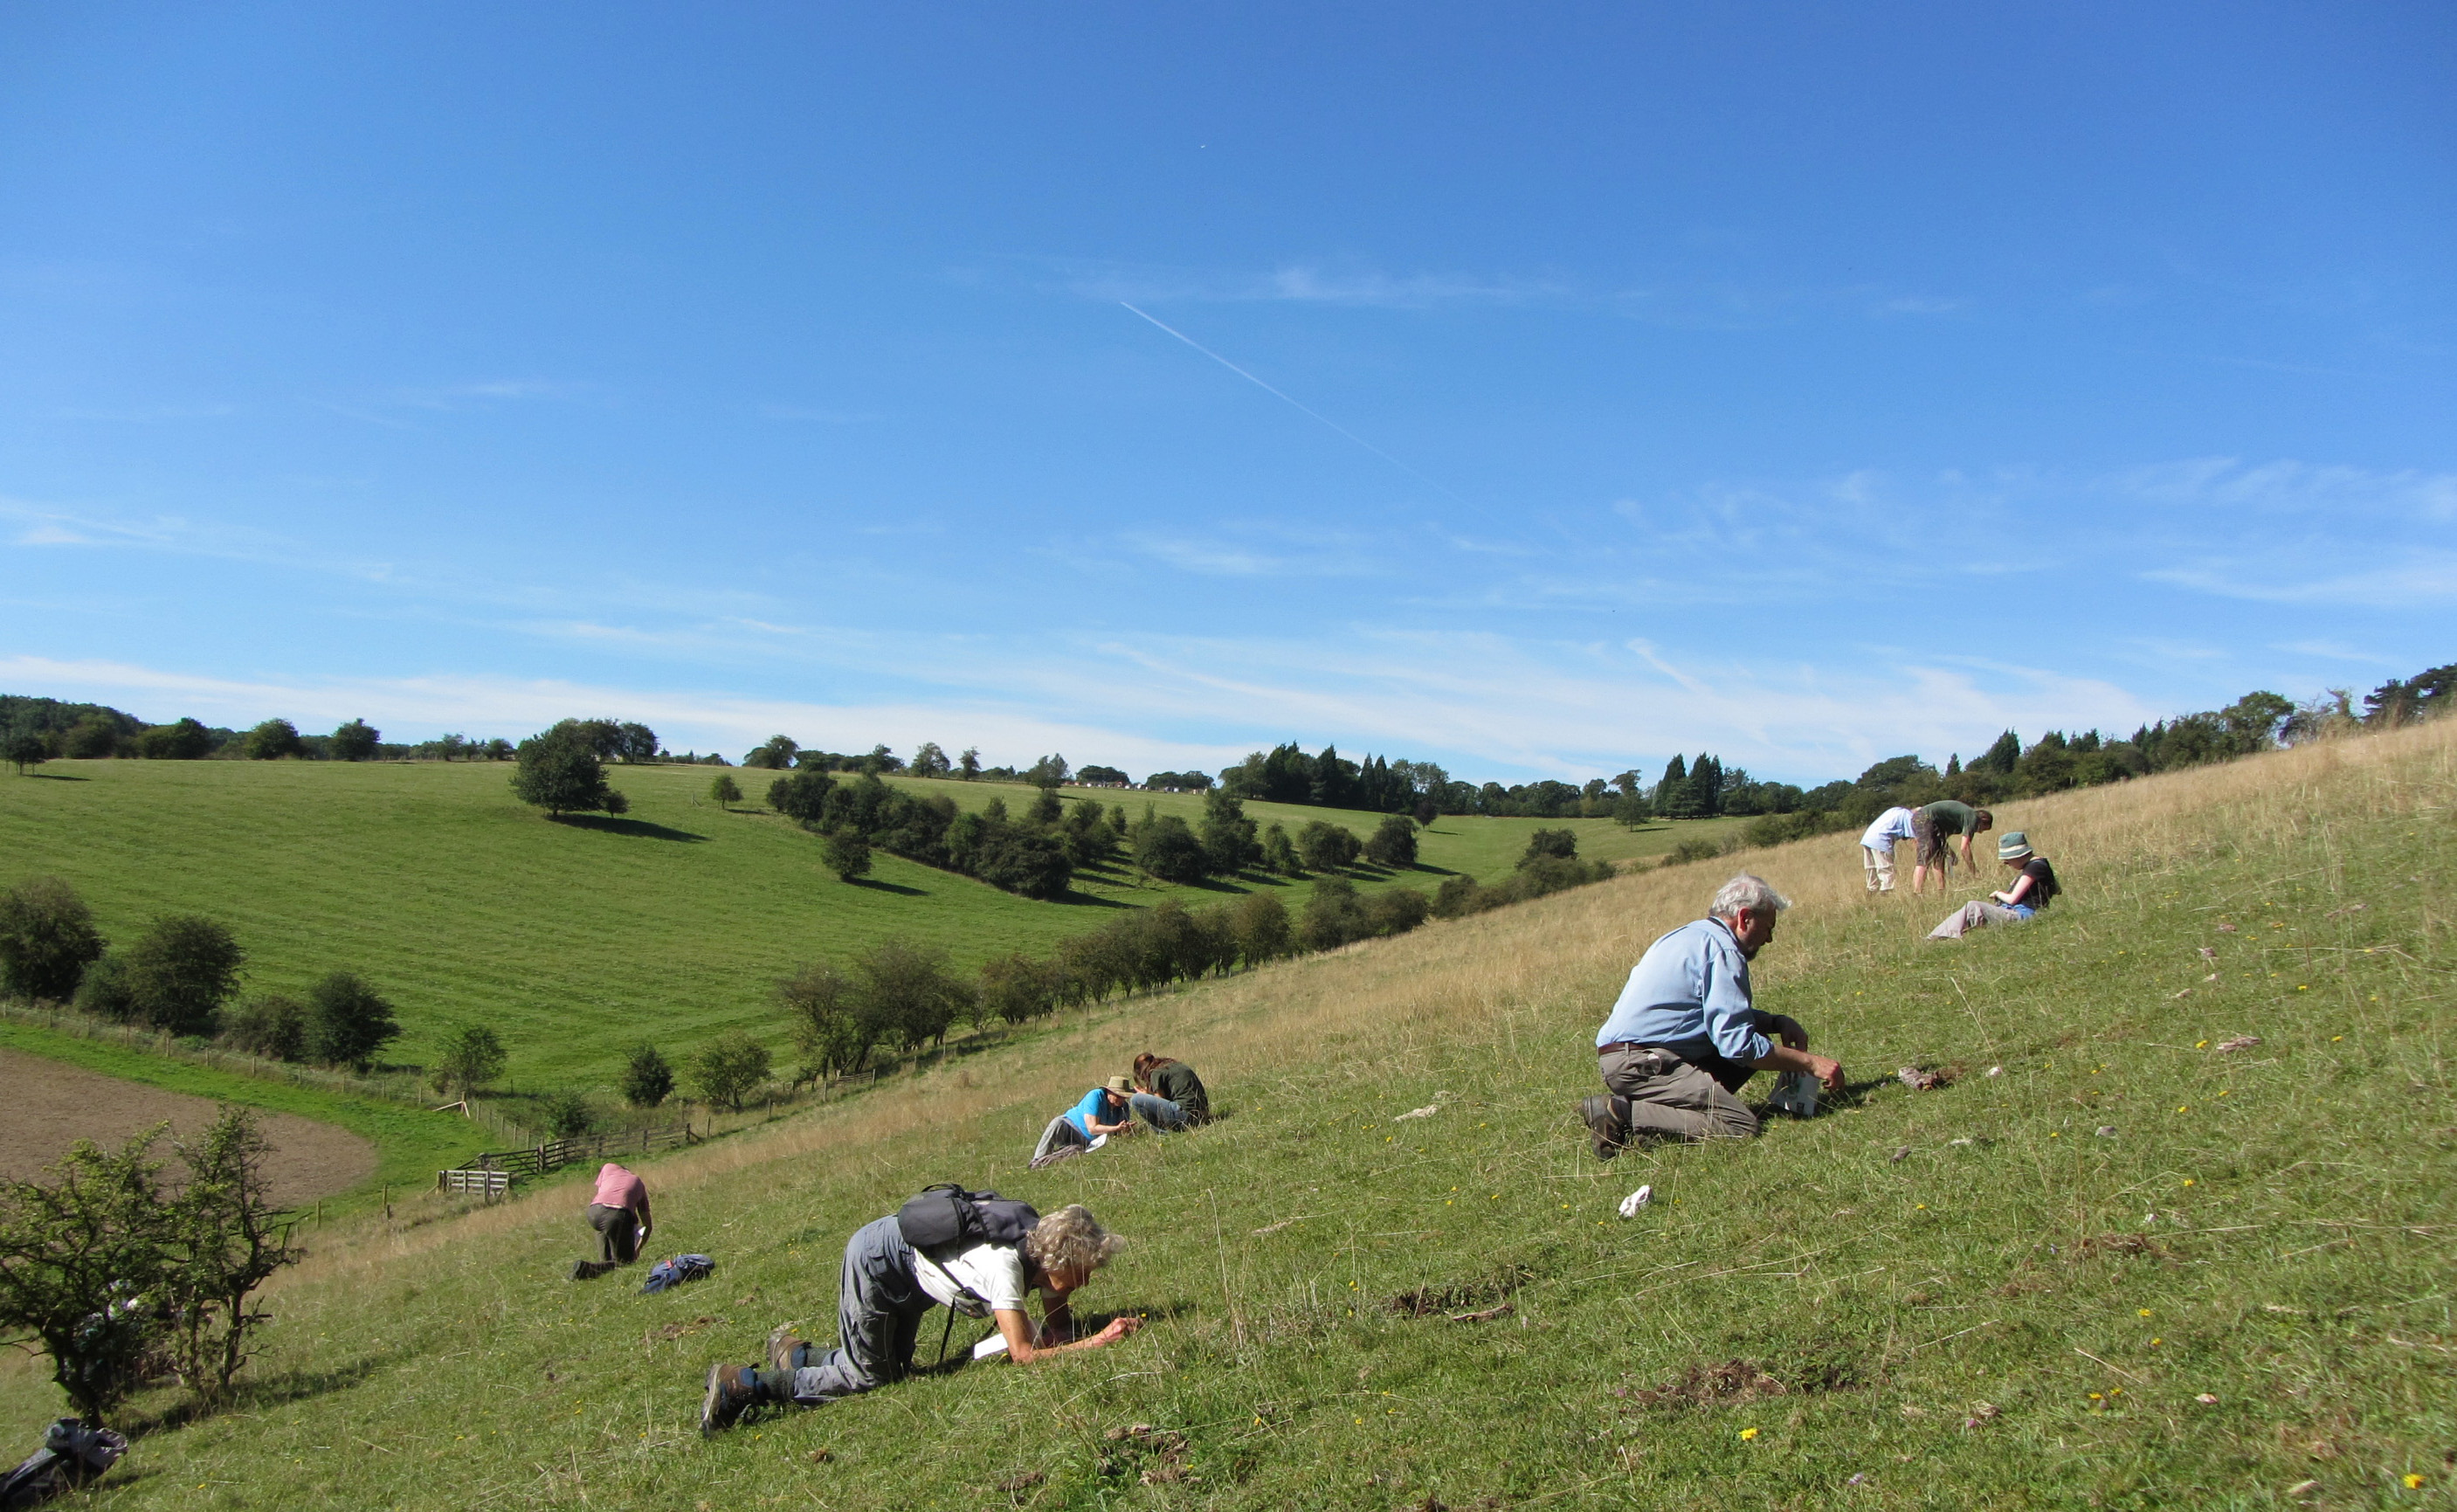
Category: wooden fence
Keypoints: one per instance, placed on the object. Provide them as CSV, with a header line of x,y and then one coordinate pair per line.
x,y
493,1172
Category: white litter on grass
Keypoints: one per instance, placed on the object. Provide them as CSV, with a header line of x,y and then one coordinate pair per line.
x,y
1796,1093
1635,1200
991,1347
1996,1070
1426,1111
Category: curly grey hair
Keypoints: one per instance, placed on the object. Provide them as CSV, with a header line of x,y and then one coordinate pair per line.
x,y
1071,1239
1755,894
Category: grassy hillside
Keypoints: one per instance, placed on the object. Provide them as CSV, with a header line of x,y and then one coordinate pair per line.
x,y
1961,1298
573,939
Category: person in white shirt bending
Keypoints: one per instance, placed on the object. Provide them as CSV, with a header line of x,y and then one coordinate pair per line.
x,y
1877,847
886,1287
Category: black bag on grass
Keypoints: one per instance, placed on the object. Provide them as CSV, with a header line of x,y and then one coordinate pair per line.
x,y
946,1217
72,1454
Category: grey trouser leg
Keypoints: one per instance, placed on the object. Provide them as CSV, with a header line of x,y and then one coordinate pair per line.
x,y
1061,1135
1681,1101
621,1230
878,1318
1879,864
1972,916
1158,1111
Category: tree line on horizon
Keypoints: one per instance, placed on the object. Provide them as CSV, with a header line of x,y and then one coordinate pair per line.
x,y
35,730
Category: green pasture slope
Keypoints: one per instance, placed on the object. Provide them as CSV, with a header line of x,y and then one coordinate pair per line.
x,y
411,1144
573,940
2238,1295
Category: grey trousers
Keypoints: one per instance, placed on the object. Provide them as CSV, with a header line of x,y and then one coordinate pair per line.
x,y
1972,915
1059,1140
879,1304
620,1229
1672,1098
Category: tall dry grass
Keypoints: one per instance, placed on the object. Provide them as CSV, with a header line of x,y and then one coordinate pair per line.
x,y
1496,977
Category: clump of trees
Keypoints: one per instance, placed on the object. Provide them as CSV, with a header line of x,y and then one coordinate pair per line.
x,y
1549,865
564,770
1031,857
115,1276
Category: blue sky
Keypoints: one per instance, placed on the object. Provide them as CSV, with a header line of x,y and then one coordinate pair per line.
x,y
1538,391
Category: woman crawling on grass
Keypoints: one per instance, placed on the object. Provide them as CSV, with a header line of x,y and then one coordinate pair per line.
x,y
2032,888
885,1288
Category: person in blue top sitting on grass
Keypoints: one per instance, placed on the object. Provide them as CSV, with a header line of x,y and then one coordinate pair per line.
x,y
2032,889
1105,1110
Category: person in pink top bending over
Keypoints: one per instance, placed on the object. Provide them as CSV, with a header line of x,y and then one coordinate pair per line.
x,y
619,1211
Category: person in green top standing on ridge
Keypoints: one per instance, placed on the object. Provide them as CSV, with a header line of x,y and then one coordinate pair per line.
x,y
1934,829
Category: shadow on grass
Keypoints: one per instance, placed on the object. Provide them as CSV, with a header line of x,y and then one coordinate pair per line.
x,y
255,1394
639,829
874,885
54,776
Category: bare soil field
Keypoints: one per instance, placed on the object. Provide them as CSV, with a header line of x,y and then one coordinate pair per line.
x,y
46,1107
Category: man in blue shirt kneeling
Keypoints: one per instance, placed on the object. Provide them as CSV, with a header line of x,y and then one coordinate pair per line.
x,y
1683,1038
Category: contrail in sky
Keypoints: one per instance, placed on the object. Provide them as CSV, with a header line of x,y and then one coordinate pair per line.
x,y
1286,400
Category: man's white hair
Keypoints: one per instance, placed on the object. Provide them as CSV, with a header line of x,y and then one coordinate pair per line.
x,y
1755,894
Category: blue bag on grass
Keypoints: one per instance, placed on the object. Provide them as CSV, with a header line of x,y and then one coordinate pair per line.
x,y
666,1275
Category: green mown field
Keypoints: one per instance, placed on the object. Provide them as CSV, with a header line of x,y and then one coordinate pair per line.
x,y
2116,1263
574,939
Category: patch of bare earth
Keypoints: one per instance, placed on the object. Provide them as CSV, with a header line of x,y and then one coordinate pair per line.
x,y
47,1106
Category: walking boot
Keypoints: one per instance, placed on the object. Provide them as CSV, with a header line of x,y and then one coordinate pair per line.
x,y
732,1390
1603,1118
787,1350
590,1269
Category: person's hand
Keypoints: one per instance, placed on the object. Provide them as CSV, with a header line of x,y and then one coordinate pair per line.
x,y
1118,1329
1827,1070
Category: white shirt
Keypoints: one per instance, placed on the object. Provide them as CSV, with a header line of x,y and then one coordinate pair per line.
x,y
1893,824
993,1272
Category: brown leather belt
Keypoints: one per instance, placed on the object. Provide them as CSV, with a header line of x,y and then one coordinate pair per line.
x,y
1624,1044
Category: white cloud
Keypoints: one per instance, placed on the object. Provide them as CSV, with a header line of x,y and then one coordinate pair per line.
x,y
2425,579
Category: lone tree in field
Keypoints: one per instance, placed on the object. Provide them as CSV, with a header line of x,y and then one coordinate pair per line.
x,y
848,854
559,773
272,740
1394,843
569,1115
83,1268
648,1080
25,750
355,742
348,1023
226,1239
729,1068
725,791
47,939
473,1055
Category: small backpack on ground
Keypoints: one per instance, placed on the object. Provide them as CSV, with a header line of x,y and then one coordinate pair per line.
x,y
666,1275
945,1219
72,1454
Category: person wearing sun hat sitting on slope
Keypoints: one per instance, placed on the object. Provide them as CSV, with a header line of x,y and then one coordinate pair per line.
x,y
1102,1112
2033,890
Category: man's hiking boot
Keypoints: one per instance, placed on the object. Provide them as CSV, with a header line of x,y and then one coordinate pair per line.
x,y
590,1269
787,1350
731,1390
1605,1122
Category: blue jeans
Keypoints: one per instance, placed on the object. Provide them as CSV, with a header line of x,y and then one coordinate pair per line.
x,y
1158,1111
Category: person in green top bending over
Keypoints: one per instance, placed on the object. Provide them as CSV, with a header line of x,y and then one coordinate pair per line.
x,y
1934,829
1168,1095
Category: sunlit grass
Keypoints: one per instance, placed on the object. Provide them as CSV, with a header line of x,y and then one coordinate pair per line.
x,y
1969,1296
